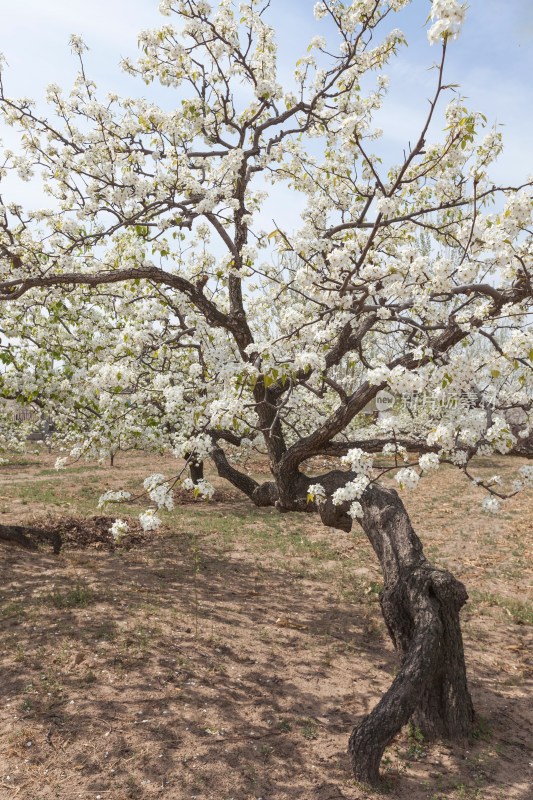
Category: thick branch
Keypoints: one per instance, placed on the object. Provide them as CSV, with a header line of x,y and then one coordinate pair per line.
x,y
13,289
261,494
314,443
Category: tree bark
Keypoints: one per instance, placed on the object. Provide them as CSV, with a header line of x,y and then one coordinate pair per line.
x,y
420,605
196,467
196,471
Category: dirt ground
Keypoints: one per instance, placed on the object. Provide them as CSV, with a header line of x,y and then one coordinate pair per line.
x,y
228,655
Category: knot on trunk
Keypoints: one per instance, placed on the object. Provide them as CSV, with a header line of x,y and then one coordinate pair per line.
x,y
266,494
448,589
335,516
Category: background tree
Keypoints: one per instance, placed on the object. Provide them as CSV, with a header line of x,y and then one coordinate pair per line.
x,y
152,282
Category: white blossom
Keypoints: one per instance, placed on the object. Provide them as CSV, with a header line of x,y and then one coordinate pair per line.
x,y
118,529
113,497
320,10
429,462
149,520
359,461
356,510
408,478
491,505
317,42
352,490
527,474
159,491
205,489
316,493
449,16
386,206
77,44
202,489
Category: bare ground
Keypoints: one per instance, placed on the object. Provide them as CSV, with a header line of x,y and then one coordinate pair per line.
x,y
228,657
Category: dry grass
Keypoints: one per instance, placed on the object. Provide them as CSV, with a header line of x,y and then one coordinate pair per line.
x,y
229,658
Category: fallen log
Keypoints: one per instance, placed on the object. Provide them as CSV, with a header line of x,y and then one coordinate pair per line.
x,y
25,536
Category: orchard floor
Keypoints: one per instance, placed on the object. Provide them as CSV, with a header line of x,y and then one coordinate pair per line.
x,y
228,657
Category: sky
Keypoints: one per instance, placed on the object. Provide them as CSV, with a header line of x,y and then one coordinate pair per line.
x,y
492,60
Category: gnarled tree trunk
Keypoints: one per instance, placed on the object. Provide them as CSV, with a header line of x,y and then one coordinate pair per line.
x,y
421,607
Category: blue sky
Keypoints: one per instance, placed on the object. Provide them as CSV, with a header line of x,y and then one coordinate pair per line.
x,y
492,60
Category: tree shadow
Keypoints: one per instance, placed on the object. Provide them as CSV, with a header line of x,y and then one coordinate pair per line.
x,y
193,672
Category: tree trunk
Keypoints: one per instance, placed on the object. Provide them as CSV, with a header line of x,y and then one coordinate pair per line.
x,y
196,467
421,607
196,471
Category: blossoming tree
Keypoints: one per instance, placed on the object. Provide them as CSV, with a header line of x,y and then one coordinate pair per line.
x,y
151,297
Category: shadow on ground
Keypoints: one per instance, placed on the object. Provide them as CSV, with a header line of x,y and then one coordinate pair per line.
x,y
192,669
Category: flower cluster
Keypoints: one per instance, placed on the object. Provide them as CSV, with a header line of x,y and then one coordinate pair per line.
x,y
149,520
491,505
408,478
352,490
429,462
159,491
360,462
113,497
316,493
202,489
118,529
449,16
